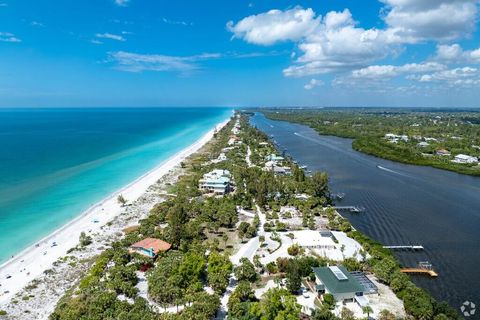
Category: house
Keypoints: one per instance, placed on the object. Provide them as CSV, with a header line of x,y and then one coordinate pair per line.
x,y
423,144
149,247
393,138
274,157
233,139
463,158
216,181
282,170
442,152
337,281
263,144
276,169
430,139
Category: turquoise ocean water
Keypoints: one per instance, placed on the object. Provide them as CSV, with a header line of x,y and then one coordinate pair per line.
x,y
56,163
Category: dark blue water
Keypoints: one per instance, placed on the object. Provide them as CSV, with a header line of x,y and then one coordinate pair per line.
x,y
55,163
404,205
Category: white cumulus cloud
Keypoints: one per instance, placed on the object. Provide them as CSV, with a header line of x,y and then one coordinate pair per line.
x,y
336,43
275,26
455,54
411,21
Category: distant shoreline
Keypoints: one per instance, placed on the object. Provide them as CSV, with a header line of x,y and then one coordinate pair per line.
x,y
31,262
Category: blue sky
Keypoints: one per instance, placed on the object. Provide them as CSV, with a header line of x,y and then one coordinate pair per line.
x,y
239,53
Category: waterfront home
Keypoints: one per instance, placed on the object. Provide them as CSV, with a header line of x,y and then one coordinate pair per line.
x,y
423,144
442,152
149,247
338,282
276,169
263,144
274,157
216,181
463,158
394,138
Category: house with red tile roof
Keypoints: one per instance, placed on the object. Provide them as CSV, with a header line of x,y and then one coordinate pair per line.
x,y
150,247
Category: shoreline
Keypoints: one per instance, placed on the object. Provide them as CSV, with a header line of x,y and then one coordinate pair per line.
x,y
32,261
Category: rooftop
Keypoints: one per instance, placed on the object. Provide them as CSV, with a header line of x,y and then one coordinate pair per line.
x,y
156,245
337,280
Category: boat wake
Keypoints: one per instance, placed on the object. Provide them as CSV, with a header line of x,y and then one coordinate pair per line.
x,y
392,171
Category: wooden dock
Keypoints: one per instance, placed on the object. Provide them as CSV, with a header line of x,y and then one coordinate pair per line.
x,y
431,273
424,267
353,209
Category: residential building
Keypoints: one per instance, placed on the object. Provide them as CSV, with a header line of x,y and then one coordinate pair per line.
x,y
337,281
149,247
216,181
442,152
423,144
274,157
463,158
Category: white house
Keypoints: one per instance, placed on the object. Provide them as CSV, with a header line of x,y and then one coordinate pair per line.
x,y
423,144
216,181
463,158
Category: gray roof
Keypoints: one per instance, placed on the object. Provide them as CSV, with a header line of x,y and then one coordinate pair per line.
x,y
334,285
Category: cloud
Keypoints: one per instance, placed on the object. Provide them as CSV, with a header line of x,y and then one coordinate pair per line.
x,y
384,72
185,65
335,43
133,62
313,83
464,76
110,36
455,54
275,26
95,41
122,3
329,44
411,21
8,37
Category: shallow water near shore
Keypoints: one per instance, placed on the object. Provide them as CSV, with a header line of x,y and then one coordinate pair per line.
x,y
405,205
56,163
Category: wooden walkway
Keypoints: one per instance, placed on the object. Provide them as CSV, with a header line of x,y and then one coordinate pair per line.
x,y
429,272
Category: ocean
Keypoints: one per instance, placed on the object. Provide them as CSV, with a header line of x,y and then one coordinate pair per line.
x,y
55,163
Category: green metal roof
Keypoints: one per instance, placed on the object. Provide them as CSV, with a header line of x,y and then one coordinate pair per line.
x,y
333,284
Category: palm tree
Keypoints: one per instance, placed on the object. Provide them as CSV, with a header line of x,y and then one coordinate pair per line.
x,y
367,310
121,200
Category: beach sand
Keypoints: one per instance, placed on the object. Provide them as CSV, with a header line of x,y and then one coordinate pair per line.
x,y
24,274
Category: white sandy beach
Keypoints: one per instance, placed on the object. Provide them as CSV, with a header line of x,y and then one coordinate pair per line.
x,y
30,264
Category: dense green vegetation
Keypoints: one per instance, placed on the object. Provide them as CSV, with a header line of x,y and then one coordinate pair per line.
x,y
457,131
